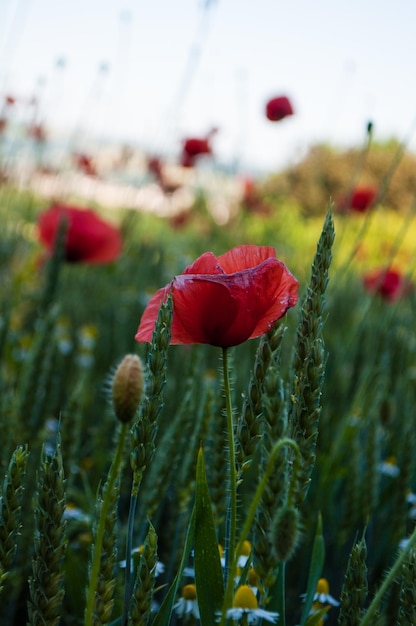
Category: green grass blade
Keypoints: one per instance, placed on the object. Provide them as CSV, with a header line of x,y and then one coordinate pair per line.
x,y
164,613
208,571
315,569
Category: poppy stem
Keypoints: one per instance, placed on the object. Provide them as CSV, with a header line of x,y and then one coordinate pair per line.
x,y
232,468
230,555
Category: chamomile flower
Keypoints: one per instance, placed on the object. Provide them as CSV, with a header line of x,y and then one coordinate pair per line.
x,y
244,554
74,513
389,467
322,593
243,557
187,603
245,605
253,580
135,556
411,499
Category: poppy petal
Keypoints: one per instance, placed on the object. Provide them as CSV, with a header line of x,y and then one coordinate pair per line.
x,y
245,257
207,263
204,310
149,317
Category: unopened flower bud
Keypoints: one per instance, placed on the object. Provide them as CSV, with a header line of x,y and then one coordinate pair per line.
x,y
127,387
285,532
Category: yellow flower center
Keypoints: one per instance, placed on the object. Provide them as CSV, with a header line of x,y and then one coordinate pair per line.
x,y
244,598
189,592
246,548
322,586
253,577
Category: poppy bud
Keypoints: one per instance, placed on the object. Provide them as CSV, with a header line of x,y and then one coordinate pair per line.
x,y
285,532
127,387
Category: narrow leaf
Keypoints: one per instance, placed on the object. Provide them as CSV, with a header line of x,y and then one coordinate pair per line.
x,y
208,571
315,570
315,619
165,611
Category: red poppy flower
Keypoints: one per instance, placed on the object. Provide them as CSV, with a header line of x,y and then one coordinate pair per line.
x,y
278,108
389,284
89,239
362,199
194,147
225,300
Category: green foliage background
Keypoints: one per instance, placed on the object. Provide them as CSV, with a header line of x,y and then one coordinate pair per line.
x,y
56,366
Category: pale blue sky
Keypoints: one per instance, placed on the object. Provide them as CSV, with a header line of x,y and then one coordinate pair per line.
x,y
341,63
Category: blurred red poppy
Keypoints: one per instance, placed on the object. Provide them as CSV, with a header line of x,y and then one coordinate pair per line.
x,y
225,300
389,284
155,167
89,239
85,163
361,199
278,108
37,132
252,199
193,147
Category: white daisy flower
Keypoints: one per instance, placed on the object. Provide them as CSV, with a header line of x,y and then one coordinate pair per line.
x,y
245,604
411,498
73,512
243,557
389,467
187,603
135,554
244,554
322,593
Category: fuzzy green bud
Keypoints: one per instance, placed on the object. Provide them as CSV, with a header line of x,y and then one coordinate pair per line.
x,y
285,532
127,387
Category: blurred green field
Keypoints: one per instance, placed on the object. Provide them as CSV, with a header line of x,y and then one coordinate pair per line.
x,y
56,362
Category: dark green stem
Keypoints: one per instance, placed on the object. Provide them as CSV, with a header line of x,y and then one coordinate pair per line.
x,y
232,468
98,544
137,478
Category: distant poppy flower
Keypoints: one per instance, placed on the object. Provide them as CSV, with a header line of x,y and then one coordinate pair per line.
x,y
155,167
193,147
361,199
389,284
225,300
86,164
10,100
89,239
180,220
278,108
252,199
37,132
